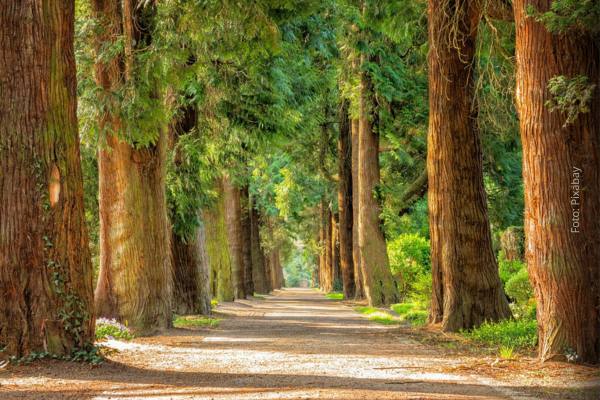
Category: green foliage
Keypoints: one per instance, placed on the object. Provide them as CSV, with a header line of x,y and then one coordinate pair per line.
x,y
195,321
508,333
570,95
110,328
518,287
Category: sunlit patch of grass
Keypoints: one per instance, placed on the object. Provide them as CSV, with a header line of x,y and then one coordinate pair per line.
x,y
195,321
335,296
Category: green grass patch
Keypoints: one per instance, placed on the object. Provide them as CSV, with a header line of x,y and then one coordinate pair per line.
x,y
335,296
195,321
110,328
509,333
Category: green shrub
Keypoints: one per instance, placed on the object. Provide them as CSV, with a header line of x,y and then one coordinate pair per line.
x,y
508,333
518,287
110,328
409,259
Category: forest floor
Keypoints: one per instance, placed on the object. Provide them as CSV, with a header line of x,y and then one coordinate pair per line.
x,y
296,344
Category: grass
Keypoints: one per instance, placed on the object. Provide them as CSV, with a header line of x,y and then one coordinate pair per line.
x,y
195,321
110,328
335,296
516,334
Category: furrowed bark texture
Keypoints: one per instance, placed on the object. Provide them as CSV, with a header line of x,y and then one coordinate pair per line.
x,y
259,273
345,202
217,248
45,266
135,278
233,219
378,284
358,274
191,293
561,171
246,241
466,287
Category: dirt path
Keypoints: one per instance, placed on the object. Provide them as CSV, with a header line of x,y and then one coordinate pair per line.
x,y
295,344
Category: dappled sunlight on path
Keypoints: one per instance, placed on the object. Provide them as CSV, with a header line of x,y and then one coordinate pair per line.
x,y
294,344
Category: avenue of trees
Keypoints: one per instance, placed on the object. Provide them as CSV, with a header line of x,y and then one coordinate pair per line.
x,y
156,155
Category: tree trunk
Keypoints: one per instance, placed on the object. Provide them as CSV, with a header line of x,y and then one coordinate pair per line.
x,y
246,241
259,273
191,274
378,284
233,218
466,287
345,202
358,274
562,187
217,248
45,266
135,278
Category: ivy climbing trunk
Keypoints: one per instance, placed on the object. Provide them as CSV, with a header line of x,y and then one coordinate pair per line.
x,y
466,287
45,266
135,277
233,218
345,201
259,273
358,274
246,240
378,284
217,248
191,294
561,170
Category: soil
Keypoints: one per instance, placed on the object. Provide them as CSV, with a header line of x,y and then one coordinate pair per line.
x,y
297,344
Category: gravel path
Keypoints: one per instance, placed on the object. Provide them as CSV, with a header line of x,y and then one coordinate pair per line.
x,y
295,344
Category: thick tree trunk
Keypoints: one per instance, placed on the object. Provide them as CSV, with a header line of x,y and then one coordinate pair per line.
x,y
191,293
345,202
358,274
233,218
135,278
466,287
246,241
378,284
45,267
217,248
259,267
561,169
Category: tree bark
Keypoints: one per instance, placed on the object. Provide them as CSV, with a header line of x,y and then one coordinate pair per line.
x,y
45,265
358,274
191,274
345,209
135,278
246,241
233,218
217,248
466,287
562,187
259,273
378,284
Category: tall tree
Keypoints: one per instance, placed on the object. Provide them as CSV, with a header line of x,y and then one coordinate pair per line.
x,y
466,287
345,194
233,219
561,170
45,267
135,278
378,284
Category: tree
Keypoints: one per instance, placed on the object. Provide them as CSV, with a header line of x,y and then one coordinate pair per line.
x,y
561,156
233,219
378,284
466,286
345,194
45,267
135,278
